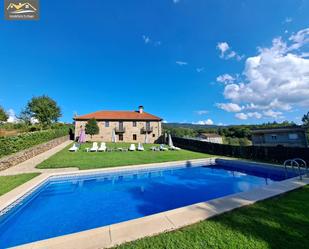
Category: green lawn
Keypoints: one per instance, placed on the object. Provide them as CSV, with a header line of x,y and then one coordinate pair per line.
x,y
281,222
90,160
7,183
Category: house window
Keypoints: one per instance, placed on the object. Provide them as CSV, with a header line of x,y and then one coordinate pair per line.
x,y
153,135
134,123
274,137
106,123
293,136
120,137
120,125
147,125
134,137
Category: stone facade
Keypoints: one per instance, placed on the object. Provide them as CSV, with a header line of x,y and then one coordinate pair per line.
x,y
129,126
19,157
211,138
130,131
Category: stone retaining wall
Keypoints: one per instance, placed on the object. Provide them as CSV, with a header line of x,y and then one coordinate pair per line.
x,y
21,156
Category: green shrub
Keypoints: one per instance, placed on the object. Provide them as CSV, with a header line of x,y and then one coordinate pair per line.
x,y
237,141
33,128
10,145
92,127
14,126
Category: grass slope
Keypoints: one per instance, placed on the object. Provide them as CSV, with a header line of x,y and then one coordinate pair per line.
x,y
90,160
281,222
7,183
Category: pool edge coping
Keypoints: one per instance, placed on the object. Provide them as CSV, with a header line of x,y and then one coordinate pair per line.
x,y
12,196
115,234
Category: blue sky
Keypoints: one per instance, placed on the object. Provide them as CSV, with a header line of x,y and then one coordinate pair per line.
x,y
201,61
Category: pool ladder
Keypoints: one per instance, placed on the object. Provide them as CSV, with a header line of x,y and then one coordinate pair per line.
x,y
295,162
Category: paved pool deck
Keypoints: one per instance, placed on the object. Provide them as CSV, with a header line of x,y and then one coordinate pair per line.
x,y
115,234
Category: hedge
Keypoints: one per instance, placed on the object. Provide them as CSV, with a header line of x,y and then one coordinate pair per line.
x,y
10,145
259,153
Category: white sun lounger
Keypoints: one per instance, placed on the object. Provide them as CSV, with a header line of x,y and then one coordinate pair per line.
x,y
132,147
163,148
174,148
94,147
155,148
74,148
140,147
102,147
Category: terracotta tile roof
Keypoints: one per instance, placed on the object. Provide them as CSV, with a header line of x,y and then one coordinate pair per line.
x,y
118,115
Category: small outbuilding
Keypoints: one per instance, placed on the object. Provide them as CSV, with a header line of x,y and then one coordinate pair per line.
x,y
211,138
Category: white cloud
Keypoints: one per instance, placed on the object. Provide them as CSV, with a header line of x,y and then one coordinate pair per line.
x,y
304,54
276,80
200,69
299,39
181,63
225,78
146,39
226,52
12,116
244,116
202,112
272,114
34,121
274,104
157,43
241,116
223,47
229,107
256,115
204,122
233,54
288,19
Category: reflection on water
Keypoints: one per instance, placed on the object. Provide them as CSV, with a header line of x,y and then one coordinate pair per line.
x,y
71,205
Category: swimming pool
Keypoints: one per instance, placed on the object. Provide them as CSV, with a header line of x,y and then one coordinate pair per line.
x,y
73,203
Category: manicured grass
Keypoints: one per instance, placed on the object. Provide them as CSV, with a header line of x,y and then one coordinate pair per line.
x,y
90,160
7,183
281,222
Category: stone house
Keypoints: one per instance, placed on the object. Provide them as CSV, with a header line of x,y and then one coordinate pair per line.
x,y
211,138
128,126
283,136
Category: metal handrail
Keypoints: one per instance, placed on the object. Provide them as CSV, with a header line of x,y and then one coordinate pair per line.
x,y
285,167
305,164
120,129
292,161
147,129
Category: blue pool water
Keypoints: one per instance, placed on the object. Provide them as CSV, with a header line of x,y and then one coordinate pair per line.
x,y
63,206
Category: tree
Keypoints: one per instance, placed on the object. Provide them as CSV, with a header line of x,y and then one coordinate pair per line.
x,y
92,127
3,115
44,109
25,116
305,119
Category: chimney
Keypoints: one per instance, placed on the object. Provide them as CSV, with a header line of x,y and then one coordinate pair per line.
x,y
141,109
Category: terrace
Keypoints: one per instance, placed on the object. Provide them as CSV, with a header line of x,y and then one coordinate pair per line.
x,y
223,231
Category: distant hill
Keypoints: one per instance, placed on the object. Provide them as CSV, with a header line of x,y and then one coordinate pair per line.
x,y
191,126
215,127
